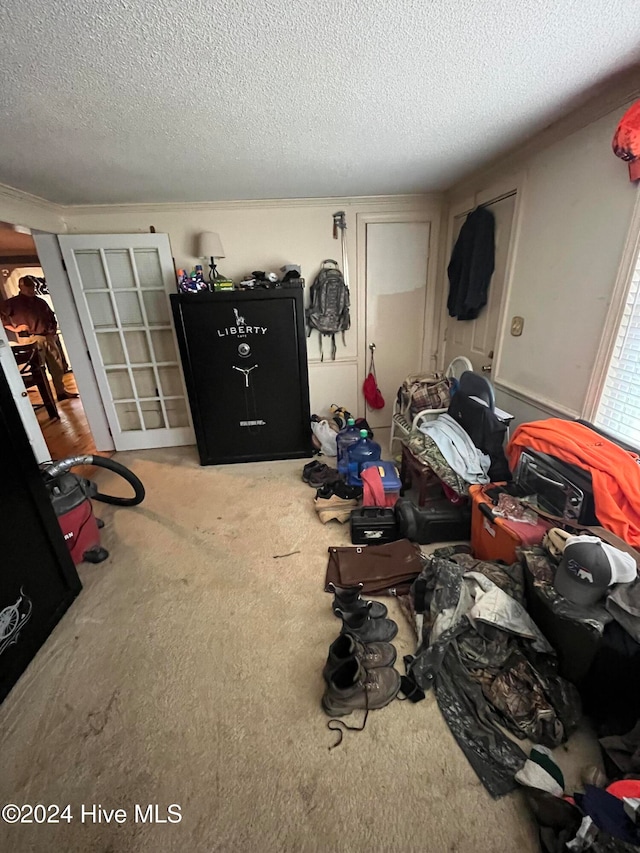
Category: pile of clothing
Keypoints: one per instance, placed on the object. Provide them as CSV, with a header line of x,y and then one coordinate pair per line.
x,y
603,818
488,663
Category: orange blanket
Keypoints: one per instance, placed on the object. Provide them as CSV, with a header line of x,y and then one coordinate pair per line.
x,y
615,472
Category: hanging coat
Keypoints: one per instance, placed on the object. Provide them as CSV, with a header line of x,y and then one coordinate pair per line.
x,y
471,265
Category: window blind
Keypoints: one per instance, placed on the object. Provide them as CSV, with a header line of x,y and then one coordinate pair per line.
x,y
619,408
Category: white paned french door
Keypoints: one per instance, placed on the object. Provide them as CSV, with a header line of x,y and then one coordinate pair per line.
x,y
121,285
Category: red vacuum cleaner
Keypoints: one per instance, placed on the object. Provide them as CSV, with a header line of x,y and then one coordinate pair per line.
x,y
71,499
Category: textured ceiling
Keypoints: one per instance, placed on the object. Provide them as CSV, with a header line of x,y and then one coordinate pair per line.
x,y
194,100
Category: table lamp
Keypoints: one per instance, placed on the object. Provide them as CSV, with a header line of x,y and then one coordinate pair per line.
x,y
210,246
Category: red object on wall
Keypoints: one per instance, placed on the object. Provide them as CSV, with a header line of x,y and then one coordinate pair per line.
x,y
626,140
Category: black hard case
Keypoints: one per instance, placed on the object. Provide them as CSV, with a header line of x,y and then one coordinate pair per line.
x,y
440,522
372,525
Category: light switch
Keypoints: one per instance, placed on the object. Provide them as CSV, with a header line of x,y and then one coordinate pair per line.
x,y
517,325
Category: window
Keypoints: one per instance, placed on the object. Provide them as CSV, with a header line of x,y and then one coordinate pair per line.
x,y
618,410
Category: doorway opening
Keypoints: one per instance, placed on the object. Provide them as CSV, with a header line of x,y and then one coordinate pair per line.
x,y
43,364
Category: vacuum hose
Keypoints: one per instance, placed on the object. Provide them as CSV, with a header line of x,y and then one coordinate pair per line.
x,y
57,468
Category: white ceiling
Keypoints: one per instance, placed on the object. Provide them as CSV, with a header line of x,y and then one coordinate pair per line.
x,y
106,101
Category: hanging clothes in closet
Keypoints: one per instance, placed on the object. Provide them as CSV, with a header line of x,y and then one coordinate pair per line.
x,y
471,265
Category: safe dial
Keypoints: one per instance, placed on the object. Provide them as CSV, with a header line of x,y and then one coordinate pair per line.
x,y
244,350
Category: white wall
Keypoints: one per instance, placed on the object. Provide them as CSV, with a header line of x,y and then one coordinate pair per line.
x,y
264,236
575,209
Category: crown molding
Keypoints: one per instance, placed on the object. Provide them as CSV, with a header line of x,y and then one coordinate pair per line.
x,y
386,201
11,194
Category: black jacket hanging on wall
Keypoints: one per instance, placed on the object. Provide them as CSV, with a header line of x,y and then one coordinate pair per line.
x,y
471,265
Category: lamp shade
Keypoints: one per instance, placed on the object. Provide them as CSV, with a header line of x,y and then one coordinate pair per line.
x,y
210,246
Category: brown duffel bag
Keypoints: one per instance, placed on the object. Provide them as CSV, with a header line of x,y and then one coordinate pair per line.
x,y
381,569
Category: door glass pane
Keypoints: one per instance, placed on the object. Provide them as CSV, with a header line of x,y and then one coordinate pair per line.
x,y
164,346
128,418
119,266
129,309
148,266
137,347
155,303
152,414
177,413
100,309
120,384
90,267
170,381
111,348
145,382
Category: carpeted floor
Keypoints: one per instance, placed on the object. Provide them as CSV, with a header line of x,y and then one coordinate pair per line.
x,y
188,671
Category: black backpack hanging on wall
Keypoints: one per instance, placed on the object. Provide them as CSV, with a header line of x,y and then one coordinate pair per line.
x,y
328,311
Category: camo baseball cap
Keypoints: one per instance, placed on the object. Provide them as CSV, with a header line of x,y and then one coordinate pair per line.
x,y
626,140
589,567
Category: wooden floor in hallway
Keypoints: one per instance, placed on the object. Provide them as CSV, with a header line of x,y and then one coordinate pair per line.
x,y
69,435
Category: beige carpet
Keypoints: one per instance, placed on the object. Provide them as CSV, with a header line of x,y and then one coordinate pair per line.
x,y
188,671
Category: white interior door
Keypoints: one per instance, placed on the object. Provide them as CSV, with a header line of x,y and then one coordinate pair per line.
x,y
476,339
397,255
121,285
21,398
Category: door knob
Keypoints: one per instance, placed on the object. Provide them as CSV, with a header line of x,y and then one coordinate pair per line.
x,y
486,368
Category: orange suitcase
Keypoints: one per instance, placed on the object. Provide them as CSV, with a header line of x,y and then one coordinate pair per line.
x,y
494,538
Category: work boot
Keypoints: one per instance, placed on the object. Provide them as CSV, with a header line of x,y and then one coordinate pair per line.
x,y
351,688
361,626
309,467
348,599
371,656
323,475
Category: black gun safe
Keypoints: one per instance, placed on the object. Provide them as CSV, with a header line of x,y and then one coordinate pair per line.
x,y
38,581
245,364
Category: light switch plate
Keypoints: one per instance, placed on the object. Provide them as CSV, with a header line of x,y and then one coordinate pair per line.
x,y
517,325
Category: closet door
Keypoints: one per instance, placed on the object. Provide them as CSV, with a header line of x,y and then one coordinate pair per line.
x,y
397,257
476,339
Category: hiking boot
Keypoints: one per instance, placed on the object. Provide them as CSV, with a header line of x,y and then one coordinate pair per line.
x,y
361,626
334,507
347,599
351,687
323,474
309,467
371,656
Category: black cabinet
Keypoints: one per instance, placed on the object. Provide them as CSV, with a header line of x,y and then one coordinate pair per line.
x,y
245,363
38,580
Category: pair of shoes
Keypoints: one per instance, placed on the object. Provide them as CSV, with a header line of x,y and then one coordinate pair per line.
x,y
322,475
335,501
359,677
370,655
68,395
309,467
349,600
365,620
